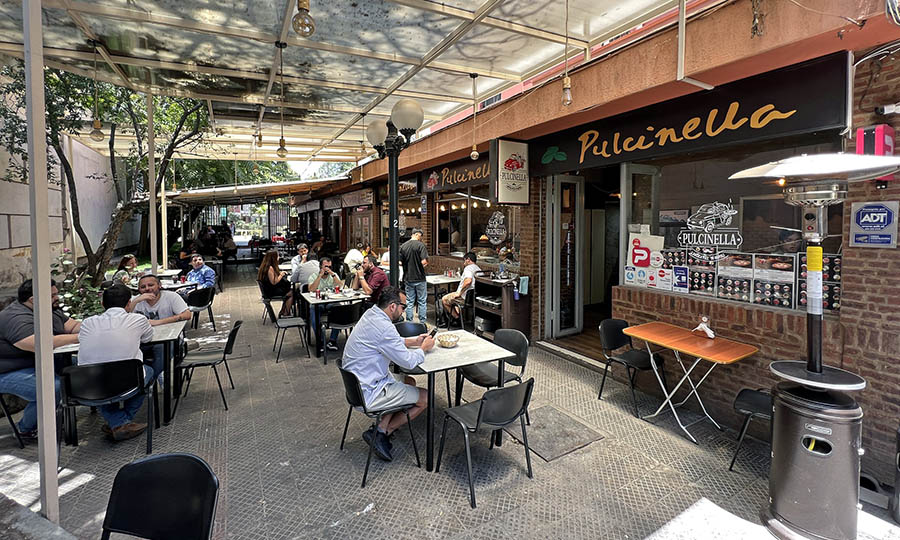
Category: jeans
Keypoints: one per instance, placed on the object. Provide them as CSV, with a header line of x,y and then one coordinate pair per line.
x,y
116,416
23,383
417,293
159,353
314,321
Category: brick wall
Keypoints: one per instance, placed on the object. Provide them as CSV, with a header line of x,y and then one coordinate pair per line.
x,y
864,338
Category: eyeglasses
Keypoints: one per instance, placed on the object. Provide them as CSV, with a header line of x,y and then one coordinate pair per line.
x,y
402,306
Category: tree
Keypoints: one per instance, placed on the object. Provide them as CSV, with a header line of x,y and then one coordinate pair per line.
x,y
69,98
332,169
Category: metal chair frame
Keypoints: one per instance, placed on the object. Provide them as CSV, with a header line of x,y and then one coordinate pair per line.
x,y
206,303
749,415
619,341
187,367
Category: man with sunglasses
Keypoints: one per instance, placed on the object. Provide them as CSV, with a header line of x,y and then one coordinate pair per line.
x,y
371,348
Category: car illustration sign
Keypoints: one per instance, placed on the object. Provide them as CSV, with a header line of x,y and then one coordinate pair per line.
x,y
709,232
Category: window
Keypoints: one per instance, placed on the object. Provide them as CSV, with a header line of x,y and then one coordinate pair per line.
x,y
452,216
495,230
360,225
409,218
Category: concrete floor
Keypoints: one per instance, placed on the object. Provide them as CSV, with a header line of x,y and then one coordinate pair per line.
x,y
281,474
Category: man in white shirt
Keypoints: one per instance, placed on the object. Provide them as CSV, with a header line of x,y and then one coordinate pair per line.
x,y
160,307
114,335
302,266
452,301
354,256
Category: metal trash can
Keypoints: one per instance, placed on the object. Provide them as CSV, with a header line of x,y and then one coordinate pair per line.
x,y
895,497
814,479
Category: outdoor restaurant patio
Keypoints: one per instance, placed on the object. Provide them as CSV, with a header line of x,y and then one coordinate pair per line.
x,y
282,475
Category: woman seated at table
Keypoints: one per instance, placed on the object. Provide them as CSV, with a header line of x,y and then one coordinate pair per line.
x,y
126,271
275,282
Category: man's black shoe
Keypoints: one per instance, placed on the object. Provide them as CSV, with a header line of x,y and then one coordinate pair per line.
x,y
368,435
383,446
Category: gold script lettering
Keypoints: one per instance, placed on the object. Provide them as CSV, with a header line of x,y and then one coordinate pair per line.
x,y
667,134
767,113
587,139
690,126
727,123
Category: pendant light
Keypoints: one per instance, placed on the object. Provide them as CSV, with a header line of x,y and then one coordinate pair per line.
x,y
567,82
474,154
96,134
255,155
282,149
303,24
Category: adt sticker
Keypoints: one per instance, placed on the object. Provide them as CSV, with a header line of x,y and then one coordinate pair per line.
x,y
874,224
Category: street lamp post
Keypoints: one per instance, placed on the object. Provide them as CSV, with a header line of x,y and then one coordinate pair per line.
x,y
389,139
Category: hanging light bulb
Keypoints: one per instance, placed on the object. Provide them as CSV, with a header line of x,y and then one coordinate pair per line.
x,y
282,149
259,139
567,82
474,204
474,153
302,22
255,169
463,206
488,204
443,208
453,206
96,134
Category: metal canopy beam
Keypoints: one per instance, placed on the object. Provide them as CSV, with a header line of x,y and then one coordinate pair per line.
x,y
493,22
279,55
101,48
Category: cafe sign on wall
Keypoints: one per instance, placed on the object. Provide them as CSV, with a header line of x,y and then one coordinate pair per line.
x,y
709,232
798,99
457,175
509,172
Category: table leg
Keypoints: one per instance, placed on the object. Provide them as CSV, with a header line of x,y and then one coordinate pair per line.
x,y
693,391
498,434
168,370
668,397
429,427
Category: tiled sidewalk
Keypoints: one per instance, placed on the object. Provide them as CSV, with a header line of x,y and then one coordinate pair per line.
x,y
282,475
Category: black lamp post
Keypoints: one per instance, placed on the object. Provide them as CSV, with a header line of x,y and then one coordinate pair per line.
x,y
389,139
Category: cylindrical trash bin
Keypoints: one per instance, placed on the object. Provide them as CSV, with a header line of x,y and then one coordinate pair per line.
x,y
814,478
895,498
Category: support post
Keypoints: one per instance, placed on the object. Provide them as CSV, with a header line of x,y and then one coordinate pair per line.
x,y
151,176
394,232
164,231
40,258
269,217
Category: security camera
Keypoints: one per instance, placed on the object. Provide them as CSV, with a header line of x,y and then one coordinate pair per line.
x,y
888,109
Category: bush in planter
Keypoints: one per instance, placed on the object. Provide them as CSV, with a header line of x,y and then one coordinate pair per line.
x,y
77,298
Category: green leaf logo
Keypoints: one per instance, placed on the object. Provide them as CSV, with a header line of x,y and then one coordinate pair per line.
x,y
549,155
560,156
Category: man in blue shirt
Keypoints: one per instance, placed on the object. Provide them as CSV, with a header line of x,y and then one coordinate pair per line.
x,y
202,275
372,346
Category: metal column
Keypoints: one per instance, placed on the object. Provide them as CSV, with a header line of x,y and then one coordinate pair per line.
x,y
40,257
393,212
151,176
163,215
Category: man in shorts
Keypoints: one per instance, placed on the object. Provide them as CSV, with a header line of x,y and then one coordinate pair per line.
x,y
372,346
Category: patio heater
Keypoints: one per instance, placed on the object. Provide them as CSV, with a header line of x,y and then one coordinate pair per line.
x,y
389,139
816,425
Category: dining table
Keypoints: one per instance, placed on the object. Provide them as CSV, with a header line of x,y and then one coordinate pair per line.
x,y
469,350
326,299
716,351
167,334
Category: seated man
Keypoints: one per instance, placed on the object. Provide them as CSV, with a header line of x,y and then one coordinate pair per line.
x,y
228,249
17,369
451,301
161,307
372,346
303,266
325,280
371,279
201,274
114,335
354,256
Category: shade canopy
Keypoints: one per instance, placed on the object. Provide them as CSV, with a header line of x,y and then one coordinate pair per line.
x,y
362,58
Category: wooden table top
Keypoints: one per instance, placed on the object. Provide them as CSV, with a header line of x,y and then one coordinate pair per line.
x,y
718,350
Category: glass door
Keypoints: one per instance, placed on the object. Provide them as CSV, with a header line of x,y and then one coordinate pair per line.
x,y
639,188
565,247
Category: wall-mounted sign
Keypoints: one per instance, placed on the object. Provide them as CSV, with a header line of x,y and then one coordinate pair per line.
x,y
680,279
496,228
509,172
457,175
803,98
874,224
331,203
358,198
408,185
312,206
709,232
424,205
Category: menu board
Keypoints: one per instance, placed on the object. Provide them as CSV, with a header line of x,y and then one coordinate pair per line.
x,y
774,280
735,277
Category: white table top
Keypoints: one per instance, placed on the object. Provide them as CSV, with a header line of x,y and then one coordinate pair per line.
x,y
438,279
470,349
177,285
332,298
168,273
285,266
161,333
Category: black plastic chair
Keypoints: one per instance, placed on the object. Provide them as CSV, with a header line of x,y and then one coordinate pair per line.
x,y
105,383
267,303
170,496
486,374
282,325
355,399
209,358
752,404
341,317
612,338
199,300
12,423
496,409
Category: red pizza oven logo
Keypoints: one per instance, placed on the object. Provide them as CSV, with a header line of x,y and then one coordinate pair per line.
x,y
432,180
640,256
514,163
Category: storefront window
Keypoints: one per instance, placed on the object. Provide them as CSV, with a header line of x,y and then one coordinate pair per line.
x,y
409,217
495,230
360,225
452,208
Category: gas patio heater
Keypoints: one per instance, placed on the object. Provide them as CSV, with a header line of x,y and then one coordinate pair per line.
x,y
816,426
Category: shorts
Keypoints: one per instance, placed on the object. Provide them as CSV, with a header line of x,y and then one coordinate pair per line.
x,y
394,395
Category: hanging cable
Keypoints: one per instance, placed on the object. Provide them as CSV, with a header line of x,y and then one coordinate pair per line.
x,y
474,154
567,82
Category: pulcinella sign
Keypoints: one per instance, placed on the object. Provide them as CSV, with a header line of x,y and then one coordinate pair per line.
x,y
709,232
509,172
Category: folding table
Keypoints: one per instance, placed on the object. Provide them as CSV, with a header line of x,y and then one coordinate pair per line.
x,y
717,351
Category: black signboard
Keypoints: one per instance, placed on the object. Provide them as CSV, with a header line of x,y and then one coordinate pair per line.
x,y
406,186
799,99
456,175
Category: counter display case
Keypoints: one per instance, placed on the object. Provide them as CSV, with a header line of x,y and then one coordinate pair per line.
x,y
496,307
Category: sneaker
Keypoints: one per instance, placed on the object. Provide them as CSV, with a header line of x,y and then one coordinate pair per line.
x,y
382,446
368,435
331,346
29,435
128,431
